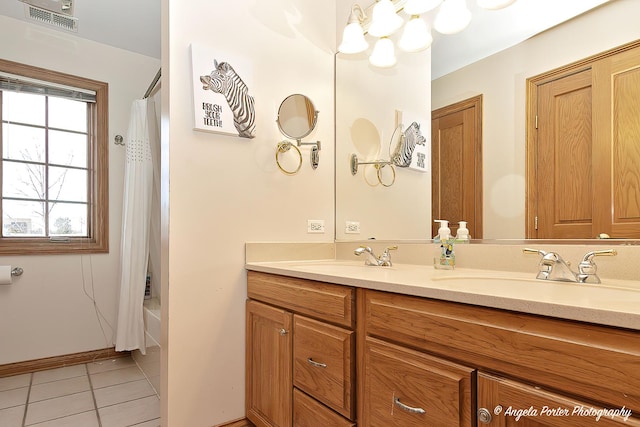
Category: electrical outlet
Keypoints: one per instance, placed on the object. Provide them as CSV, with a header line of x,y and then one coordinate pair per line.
x,y
315,226
352,227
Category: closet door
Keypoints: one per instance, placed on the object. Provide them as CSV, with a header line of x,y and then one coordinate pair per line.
x,y
616,91
564,177
585,165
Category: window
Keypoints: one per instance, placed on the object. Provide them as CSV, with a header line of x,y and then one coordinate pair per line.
x,y
54,162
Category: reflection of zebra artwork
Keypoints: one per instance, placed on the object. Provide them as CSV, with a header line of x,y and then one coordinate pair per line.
x,y
224,80
404,150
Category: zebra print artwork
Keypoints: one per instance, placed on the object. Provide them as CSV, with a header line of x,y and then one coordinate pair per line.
x,y
224,80
403,152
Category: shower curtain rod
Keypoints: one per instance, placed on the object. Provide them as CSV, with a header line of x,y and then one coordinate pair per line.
x,y
153,84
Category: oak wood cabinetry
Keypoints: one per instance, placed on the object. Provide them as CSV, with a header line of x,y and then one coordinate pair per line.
x,y
300,352
425,362
521,360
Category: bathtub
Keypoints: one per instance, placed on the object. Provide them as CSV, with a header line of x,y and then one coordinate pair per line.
x,y
152,322
150,363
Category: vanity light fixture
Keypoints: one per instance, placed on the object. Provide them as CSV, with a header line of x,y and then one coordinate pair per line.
x,y
452,17
353,40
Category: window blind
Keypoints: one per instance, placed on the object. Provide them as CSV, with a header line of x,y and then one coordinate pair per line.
x,y
16,83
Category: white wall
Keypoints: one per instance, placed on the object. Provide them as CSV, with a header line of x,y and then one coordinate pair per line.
x,y
501,78
225,190
366,100
46,312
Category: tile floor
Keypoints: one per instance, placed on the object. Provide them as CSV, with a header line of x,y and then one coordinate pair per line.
x,y
105,393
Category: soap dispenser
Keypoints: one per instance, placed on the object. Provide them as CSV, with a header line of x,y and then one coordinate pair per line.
x,y
444,232
444,257
463,233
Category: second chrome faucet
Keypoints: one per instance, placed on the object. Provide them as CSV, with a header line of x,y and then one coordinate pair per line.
x,y
383,260
553,267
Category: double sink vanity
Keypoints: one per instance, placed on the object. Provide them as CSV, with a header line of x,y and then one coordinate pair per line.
x,y
334,342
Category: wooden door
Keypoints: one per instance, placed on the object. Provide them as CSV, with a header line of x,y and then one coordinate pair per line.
x,y
564,178
583,160
506,403
617,143
269,360
456,162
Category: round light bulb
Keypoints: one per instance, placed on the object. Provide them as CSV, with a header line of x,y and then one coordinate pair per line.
x,y
383,54
353,40
416,35
384,20
453,17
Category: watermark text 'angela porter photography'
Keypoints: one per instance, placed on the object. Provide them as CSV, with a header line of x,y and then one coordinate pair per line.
x,y
559,411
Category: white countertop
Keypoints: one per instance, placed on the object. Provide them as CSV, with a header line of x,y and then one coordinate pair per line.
x,y
615,303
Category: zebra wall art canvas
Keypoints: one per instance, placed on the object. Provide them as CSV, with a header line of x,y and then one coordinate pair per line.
x,y
221,97
413,150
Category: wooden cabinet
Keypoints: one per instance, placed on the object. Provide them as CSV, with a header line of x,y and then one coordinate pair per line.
x,y
424,362
300,353
577,363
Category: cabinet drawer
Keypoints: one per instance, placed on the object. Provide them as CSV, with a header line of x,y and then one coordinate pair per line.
x,y
323,363
590,360
324,301
406,388
309,413
520,404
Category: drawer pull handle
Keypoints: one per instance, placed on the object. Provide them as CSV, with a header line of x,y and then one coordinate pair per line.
x,y
408,408
316,364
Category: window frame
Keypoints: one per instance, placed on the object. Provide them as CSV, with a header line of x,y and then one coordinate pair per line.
x,y
97,240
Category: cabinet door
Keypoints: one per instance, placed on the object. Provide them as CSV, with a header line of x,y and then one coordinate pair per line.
x,y
506,403
323,363
406,388
268,370
307,412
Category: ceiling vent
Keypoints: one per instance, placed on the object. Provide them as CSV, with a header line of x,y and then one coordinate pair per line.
x,y
58,13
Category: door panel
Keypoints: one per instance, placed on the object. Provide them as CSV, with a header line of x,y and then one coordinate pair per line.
x,y
564,173
268,359
456,153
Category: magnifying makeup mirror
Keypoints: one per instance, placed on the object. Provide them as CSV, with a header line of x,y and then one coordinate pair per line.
x,y
297,118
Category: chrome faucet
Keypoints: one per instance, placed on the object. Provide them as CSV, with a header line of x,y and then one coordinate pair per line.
x,y
383,260
553,267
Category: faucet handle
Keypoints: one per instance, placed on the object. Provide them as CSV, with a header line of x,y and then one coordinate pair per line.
x,y
385,258
588,257
390,248
587,268
533,251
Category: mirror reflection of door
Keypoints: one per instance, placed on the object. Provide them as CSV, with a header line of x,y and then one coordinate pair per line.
x,y
456,161
584,157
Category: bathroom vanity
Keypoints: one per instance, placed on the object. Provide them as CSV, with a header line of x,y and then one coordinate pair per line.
x,y
340,344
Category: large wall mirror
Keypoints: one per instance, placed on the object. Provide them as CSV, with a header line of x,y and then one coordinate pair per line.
x,y
367,101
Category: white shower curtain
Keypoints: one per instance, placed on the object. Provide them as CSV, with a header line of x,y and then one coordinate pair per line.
x,y
136,213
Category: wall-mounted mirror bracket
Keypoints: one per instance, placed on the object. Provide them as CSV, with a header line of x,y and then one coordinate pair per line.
x,y
315,152
379,165
355,163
